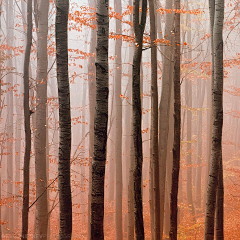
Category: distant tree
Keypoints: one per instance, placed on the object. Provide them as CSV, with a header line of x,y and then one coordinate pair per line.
x,y
177,125
139,26
100,121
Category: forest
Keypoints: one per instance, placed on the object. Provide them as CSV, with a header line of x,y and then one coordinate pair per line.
x,y
119,119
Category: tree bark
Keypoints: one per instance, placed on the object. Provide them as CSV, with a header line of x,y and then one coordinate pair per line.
x,y
25,208
154,121
164,109
177,126
41,122
137,114
100,121
64,177
214,185
118,131
92,103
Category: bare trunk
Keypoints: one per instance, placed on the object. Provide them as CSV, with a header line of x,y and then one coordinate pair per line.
x,y
41,123
118,131
25,208
214,184
164,109
100,121
177,126
154,122
92,100
64,175
137,115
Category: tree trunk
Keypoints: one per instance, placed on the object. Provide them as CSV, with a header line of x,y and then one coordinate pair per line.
x,y
100,121
92,103
154,121
137,115
177,126
214,184
164,109
41,123
118,131
25,208
64,178
10,41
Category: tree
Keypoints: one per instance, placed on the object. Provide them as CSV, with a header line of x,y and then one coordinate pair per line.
x,y
64,182
177,125
118,125
215,179
25,207
41,122
154,121
137,114
100,121
92,102
164,110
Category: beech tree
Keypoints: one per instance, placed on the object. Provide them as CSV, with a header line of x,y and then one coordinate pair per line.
x,y
137,113
177,125
64,181
41,20
25,208
215,179
100,121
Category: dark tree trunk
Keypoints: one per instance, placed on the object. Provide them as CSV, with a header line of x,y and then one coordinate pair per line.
x,y
25,208
64,179
100,121
177,126
137,114
215,182
154,121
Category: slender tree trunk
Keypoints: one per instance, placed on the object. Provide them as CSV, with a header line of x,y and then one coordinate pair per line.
x,y
154,121
64,178
118,132
164,109
200,97
92,103
177,126
137,115
100,121
25,208
41,122
9,79
214,185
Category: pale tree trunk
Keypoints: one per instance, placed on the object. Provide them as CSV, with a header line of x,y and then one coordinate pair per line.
x,y
215,181
41,122
189,125
92,103
164,108
9,79
177,126
25,208
64,177
128,119
100,121
154,122
198,186
137,115
118,129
